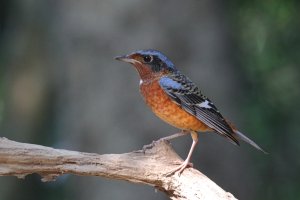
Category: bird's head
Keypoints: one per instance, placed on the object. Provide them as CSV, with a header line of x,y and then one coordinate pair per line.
x,y
148,62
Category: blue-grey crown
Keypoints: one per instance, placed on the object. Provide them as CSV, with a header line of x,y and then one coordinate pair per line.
x,y
160,55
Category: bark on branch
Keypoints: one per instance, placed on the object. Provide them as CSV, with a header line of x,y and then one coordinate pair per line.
x,y
146,167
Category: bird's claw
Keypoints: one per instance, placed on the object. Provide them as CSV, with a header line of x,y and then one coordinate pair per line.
x,y
150,146
178,170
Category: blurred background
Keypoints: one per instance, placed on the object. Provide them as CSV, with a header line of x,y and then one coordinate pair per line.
x,y
61,87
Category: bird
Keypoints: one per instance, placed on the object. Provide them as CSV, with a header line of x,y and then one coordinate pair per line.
x,y
175,99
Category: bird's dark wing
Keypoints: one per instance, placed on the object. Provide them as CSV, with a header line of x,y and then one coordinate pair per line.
x,y
186,94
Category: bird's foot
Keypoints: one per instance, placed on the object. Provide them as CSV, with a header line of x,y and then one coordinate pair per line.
x,y
149,146
168,138
180,168
180,163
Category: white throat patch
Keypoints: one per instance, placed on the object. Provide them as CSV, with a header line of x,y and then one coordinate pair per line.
x,y
141,81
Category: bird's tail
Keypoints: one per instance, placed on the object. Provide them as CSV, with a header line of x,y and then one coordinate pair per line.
x,y
241,136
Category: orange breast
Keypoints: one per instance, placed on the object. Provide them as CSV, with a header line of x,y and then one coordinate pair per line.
x,y
167,110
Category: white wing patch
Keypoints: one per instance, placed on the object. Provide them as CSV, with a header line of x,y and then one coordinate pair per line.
x,y
205,104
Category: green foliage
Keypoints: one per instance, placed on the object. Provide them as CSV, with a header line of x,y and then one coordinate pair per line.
x,y
267,33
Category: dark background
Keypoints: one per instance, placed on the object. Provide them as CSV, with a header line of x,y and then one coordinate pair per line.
x,y
59,86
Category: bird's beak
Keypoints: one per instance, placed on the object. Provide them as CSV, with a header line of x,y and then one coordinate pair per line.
x,y
126,58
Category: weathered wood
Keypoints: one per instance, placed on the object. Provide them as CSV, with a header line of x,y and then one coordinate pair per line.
x,y
146,167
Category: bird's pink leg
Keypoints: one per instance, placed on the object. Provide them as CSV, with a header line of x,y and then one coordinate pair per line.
x,y
175,135
170,137
186,163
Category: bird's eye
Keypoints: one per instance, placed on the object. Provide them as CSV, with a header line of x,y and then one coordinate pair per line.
x,y
147,59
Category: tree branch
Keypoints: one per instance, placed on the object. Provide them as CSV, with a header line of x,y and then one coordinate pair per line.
x,y
146,167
